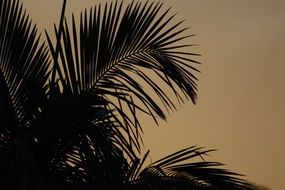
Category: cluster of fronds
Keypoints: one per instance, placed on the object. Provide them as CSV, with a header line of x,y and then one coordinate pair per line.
x,y
69,109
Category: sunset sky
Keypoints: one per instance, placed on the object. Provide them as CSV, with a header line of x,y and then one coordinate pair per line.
x,y
241,107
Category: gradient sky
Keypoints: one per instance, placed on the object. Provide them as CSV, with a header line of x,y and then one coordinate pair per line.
x,y
241,108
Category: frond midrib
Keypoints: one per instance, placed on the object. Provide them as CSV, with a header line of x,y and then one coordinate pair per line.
x,y
116,63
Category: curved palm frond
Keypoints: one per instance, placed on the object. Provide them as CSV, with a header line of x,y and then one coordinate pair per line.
x,y
114,52
24,71
175,172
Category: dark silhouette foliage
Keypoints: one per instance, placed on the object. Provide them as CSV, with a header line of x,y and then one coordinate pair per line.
x,y
69,109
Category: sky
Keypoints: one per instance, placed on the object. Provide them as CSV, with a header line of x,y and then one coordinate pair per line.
x,y
241,107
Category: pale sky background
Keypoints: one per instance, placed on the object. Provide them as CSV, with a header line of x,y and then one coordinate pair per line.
x,y
241,108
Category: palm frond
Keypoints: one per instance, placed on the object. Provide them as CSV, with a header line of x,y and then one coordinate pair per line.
x,y
117,51
24,69
210,174
175,171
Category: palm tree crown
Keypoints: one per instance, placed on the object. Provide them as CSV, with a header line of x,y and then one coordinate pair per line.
x,y
69,109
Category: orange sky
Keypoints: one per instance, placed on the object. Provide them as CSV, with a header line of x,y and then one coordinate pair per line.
x,y
241,108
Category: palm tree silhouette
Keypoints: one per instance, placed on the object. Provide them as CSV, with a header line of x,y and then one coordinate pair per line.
x,y
69,110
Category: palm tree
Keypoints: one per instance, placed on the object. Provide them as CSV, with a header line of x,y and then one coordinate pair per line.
x,y
69,110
